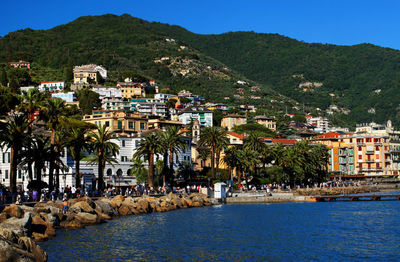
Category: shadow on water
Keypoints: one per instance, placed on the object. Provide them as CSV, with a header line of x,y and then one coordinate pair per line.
x,y
355,231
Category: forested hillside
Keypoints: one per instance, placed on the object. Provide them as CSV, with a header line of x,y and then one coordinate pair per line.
x,y
355,79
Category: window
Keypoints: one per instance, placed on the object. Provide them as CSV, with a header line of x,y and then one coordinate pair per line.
x,y
141,126
377,165
119,124
123,143
377,148
351,140
6,174
359,148
376,156
107,123
130,125
19,174
359,156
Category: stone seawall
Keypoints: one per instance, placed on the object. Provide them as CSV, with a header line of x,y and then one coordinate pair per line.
x,y
238,198
21,226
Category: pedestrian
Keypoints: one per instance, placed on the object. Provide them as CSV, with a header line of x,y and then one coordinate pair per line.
x,y
65,206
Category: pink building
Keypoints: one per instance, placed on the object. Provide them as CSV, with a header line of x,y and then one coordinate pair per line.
x,y
21,64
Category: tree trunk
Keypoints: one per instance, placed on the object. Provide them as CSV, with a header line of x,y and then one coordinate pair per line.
x,y
165,168
51,169
171,166
212,162
58,177
77,170
239,174
30,173
151,167
100,173
13,171
218,155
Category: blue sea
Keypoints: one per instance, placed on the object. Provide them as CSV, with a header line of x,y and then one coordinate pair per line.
x,y
337,231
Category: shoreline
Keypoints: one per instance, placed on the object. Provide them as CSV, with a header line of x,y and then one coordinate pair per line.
x,y
22,226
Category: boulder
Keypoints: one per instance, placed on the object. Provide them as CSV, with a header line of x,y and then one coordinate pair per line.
x,y
39,237
124,210
116,201
86,218
197,204
105,207
23,250
84,207
102,215
144,205
72,224
38,225
24,222
4,217
29,245
14,211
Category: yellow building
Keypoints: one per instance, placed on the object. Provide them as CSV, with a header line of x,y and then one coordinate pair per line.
x,y
89,74
131,90
268,122
230,121
119,121
372,151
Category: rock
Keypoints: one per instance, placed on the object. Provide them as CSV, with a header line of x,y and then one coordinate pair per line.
x,y
14,211
84,207
4,217
39,237
197,204
27,244
102,215
86,218
144,205
105,207
188,201
72,224
124,210
38,225
24,222
116,202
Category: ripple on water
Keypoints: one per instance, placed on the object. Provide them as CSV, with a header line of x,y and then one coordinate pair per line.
x,y
342,231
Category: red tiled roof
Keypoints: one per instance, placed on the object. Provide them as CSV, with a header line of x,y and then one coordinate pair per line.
x,y
329,135
52,82
236,135
283,141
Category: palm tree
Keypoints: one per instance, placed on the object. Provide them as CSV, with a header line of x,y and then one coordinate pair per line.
x,y
77,141
54,111
104,149
13,136
231,159
39,152
213,138
31,101
148,148
173,143
139,171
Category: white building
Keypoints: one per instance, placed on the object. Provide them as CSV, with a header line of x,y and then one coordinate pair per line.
x,y
152,109
52,86
163,97
68,97
202,114
108,91
321,123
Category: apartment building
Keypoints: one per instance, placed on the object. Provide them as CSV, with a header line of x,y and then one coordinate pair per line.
x,y
119,121
230,121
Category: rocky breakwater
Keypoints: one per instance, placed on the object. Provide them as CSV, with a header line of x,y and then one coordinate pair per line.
x,y
334,191
21,226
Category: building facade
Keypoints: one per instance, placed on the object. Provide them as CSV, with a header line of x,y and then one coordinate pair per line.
x,y
52,86
202,114
268,122
89,74
230,121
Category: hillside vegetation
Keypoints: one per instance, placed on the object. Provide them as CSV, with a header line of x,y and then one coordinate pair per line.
x,y
353,78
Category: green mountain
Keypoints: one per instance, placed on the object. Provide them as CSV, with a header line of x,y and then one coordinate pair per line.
x,y
352,79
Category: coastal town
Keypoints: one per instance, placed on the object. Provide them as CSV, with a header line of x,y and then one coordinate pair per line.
x,y
220,131
203,151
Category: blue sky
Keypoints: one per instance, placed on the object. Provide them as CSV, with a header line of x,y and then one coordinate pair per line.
x,y
323,21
